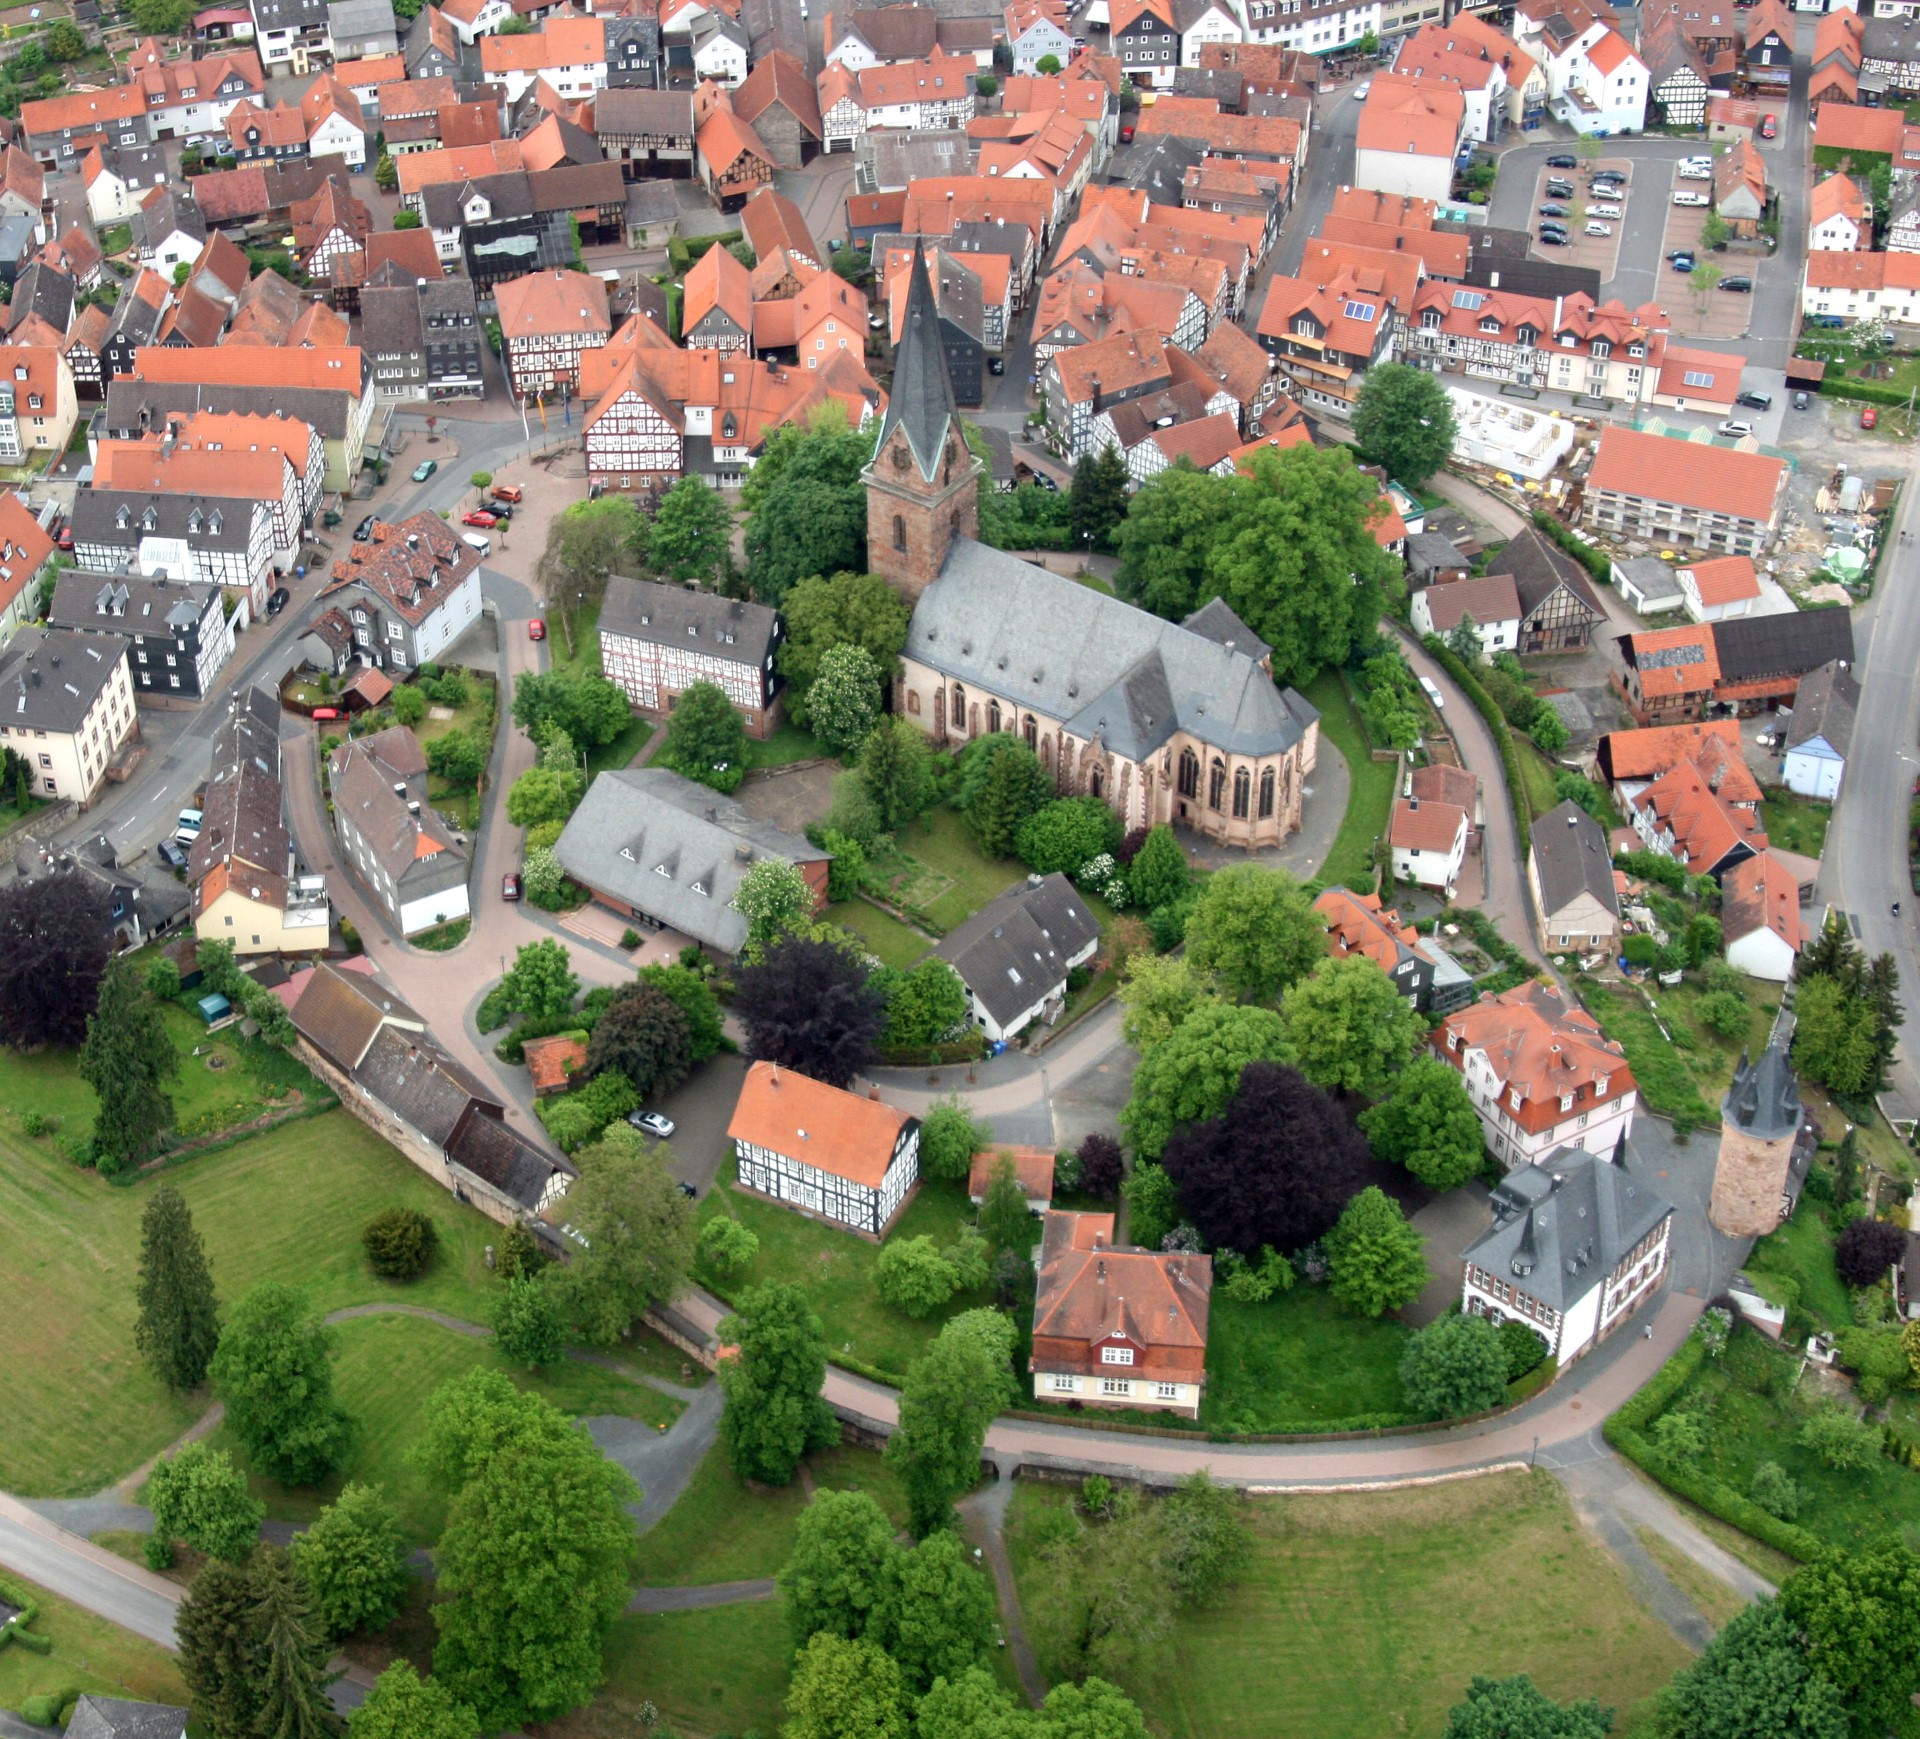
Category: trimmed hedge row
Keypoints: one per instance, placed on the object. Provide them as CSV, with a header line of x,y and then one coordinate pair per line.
x,y
29,1609
1866,392
1483,703
1716,1497
1596,562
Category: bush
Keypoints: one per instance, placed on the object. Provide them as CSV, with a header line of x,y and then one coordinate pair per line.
x,y
38,1123
46,1707
399,1243
1065,834
726,1246
1866,1249
1774,1492
1724,1013
1524,1348
575,1119
1842,1440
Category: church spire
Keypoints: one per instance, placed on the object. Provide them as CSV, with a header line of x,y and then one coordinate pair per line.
x,y
921,403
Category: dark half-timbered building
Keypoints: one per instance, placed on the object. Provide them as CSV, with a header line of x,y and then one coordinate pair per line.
x,y
658,640
1557,607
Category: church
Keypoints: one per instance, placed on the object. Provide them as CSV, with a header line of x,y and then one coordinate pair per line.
x,y
1174,722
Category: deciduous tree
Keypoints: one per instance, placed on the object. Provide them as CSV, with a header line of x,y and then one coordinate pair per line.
x,y
925,1004
354,1558
774,898
896,772
589,708
274,1371
705,739
636,1232
699,1007
845,1690
950,1135
1427,1124
459,757
849,609
1454,1366
1256,930
1066,833
544,794
403,1705
1508,1708
914,1275
1404,421
937,1613
1374,1256
951,1394
541,982
198,1495
1348,1028
53,954
1756,1680
843,706
642,1033
528,1326
1866,1249
1158,992
775,1416
1101,1167
178,1326
692,535
1005,1220
1001,784
726,1246
1193,1072
837,1578
1858,1614
809,1005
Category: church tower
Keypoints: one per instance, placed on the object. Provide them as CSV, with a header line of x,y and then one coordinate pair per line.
x,y
1759,1121
923,481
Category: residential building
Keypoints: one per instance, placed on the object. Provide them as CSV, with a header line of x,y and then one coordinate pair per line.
x,y
1578,1243
1428,841
1740,191
117,178
1033,1166
1558,610
26,547
1630,761
1863,286
423,338
668,854
1890,55
357,29
1491,603
66,705
932,95
1409,136
165,467
778,101
522,222
1570,874
1144,36
61,130
1717,590
177,633
38,402
1036,29
1678,90
115,1718
657,640
647,132
1745,666
377,1054
1431,980
717,312
1682,816
1327,330
1014,955
1820,731
1666,491
1117,1327
732,163
547,319
291,34
1903,216
720,49
635,57
335,124
410,592
1761,918
1698,380
199,539
1838,219
568,53
1541,1074
402,852
168,230
1839,49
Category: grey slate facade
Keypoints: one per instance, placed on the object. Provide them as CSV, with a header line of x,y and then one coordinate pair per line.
x,y
423,339
177,634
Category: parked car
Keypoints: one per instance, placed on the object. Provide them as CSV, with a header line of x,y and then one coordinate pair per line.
x,y
1685,198
1360,91
1599,229
1550,238
1558,189
425,469
1682,262
480,517
1432,691
1734,430
510,886
279,600
1799,401
509,492
322,714
65,539
1769,127
1553,211
500,511
1563,160
1742,285
652,1123
364,529
171,855
536,629
188,829
1759,401
1869,417
1601,210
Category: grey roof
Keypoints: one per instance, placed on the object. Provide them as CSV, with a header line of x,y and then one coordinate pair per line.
x,y
250,732
111,1718
959,296
1751,647
889,160
363,790
674,849
50,677
510,194
289,14
1216,620
666,615
163,211
136,406
136,165
1105,668
390,317
1158,167
1893,39
44,290
651,201
898,32
922,394
1650,575
361,18
128,603
204,521
493,1150
1824,706
429,1091
1016,951
1562,1226
1428,552
1764,1099
1570,857
669,113
714,24
1539,569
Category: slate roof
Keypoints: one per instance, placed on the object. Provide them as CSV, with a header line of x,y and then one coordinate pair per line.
x,y
223,522
127,603
49,677
494,1151
1562,1226
1764,1099
1752,647
1571,858
674,616
1016,950
1824,707
363,790
1538,569
241,818
1216,621
1104,667
675,849
623,111
114,1718
922,396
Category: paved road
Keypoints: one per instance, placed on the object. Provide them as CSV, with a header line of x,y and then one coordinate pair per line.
x,y
1329,167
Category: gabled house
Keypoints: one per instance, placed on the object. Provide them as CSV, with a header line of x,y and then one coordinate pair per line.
x,y
1424,973
117,178
1036,29
115,1718
66,703
717,313
1666,491
1428,840
779,102
732,162
1326,335
1740,191
921,96
1766,52
1409,136
720,49
1890,56
401,851
1570,875
647,132
1682,816
1630,761
546,320
1115,1326
1761,919
424,338
1820,730
335,124
1837,219
168,230
1144,38
657,640
25,549
177,633
1717,590
1015,954
1490,603
1677,82
410,592
1863,286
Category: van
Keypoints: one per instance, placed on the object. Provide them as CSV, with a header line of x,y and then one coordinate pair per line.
x,y
482,547
1612,211
1433,691
1689,199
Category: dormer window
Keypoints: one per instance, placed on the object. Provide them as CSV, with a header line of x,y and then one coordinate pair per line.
x,y
149,520
1566,1101
1601,350
1430,320
1513,1098
122,518
1116,1355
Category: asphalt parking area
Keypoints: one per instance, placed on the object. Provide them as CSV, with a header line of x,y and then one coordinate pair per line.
x,y
1719,313
1599,253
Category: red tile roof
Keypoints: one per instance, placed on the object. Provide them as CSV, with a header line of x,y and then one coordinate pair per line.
x,y
1090,1292
1724,580
1705,826
1417,826
825,1127
1675,661
1761,894
1687,473
1543,1047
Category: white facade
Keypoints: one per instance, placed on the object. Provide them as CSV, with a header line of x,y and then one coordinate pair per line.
x,y
336,136
1281,21
1597,1131
1432,869
1835,234
177,248
1814,769
1590,1317
1046,1007
1219,23
1598,85
457,613
1500,636
446,907
1404,172
817,1191
489,18
1060,1386
1040,38
721,59
1897,298
73,763
1762,953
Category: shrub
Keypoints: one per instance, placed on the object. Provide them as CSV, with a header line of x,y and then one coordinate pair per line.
x,y
629,938
46,1707
38,1123
1454,1366
1100,1166
575,1119
399,1243
1724,1013
1842,1441
1774,1492
726,1246
1866,1249
1065,834
1524,1348
1680,1435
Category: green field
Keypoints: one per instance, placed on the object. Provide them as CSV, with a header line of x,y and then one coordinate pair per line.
x,y
787,744
835,1269
89,1654
387,1369
1370,782
1299,1362
1364,1615
718,1671
890,941
80,1408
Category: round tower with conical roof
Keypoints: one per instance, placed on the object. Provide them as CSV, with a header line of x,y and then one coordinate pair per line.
x,y
1759,1119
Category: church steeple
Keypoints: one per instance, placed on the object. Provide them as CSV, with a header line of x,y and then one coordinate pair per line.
x,y
923,480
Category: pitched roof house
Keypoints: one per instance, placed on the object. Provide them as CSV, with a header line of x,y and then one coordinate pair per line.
x,y
1431,980
1015,954
1820,730
1570,873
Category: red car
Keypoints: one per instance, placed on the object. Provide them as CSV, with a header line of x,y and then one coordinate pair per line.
x,y
482,518
536,629
509,886
65,539
1768,126
1869,418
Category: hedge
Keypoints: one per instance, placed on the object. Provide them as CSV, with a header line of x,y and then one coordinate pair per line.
x,y
969,1048
1714,1496
1596,562
29,1609
1866,392
1483,704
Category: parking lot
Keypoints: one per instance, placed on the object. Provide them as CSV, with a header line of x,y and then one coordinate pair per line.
x,y
1598,253
1720,313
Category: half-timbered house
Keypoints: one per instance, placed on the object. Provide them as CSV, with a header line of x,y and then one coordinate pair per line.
x,y
657,641
547,319
646,132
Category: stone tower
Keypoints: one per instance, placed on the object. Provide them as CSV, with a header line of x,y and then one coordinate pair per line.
x,y
923,481
1759,1119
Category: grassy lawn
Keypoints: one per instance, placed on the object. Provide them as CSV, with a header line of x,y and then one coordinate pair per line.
x,y
889,940
789,743
1718,1603
1537,775
1299,1362
1687,1074
387,1369
1370,788
608,757
475,715
1776,1566
1802,1251
722,1670
1365,1614
939,870
1795,823
723,1530
1753,1412
835,1269
89,1654
80,1408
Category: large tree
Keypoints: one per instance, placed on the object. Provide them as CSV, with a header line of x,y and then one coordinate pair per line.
x,y
1193,1072
179,1325
698,1005
1001,784
1516,1709
402,1705
837,1577
216,1631
1097,501
1454,1366
540,983
274,1371
1348,1028
1404,421
705,739
636,1236
845,1690
53,953
1167,538
1859,1616
290,1652
925,1003
1256,930
642,1033
1159,873
198,1495
843,705
590,709
951,1394
1756,1680
849,609
1275,1167
692,535
1374,1255
810,1005
950,1135
536,1559
806,527
774,1416
895,771
589,541
126,1057
1157,992
1428,1124
354,1558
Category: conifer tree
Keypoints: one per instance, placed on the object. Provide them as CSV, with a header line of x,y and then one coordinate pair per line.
x,y
126,1056
179,1323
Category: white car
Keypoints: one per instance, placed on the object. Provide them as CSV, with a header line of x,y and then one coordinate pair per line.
x,y
1684,198
1599,229
1360,91
1735,430
1433,691
1697,169
188,829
